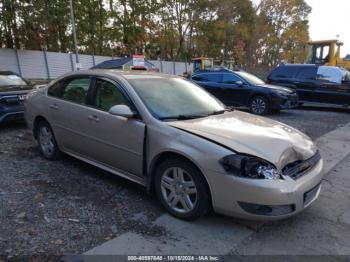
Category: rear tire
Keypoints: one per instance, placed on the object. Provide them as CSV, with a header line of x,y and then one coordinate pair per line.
x,y
182,189
259,105
47,142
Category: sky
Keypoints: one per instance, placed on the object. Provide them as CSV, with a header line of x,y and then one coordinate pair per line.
x,y
328,19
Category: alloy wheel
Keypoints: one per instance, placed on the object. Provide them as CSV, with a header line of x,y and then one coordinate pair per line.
x,y
179,190
46,141
258,105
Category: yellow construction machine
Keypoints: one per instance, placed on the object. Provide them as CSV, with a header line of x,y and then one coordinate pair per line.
x,y
202,63
327,52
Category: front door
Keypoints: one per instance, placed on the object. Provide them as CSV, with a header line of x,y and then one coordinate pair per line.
x,y
235,91
330,88
114,141
305,83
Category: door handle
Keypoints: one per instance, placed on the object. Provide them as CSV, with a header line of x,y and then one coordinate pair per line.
x,y
93,118
54,106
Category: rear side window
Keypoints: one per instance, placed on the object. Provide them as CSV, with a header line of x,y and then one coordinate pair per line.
x,y
76,90
307,73
199,78
284,72
230,79
216,78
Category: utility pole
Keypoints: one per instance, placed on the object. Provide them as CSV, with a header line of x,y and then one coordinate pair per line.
x,y
77,65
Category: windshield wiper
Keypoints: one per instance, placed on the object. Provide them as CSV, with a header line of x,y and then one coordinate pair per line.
x,y
194,116
183,117
219,112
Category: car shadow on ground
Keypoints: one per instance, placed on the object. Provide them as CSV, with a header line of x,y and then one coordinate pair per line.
x,y
336,109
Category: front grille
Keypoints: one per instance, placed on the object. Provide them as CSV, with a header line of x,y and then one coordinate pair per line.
x,y
299,168
10,100
265,210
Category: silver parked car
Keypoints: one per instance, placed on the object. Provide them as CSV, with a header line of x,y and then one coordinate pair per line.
x,y
173,137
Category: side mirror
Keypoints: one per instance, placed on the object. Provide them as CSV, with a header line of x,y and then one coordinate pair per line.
x,y
121,110
346,81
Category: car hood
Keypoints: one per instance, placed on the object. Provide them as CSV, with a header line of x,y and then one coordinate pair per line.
x,y
277,88
12,89
248,134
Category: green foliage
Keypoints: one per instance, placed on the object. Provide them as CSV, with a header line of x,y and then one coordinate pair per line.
x,y
253,37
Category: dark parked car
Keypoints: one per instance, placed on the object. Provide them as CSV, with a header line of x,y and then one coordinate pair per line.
x,y
239,88
13,91
314,83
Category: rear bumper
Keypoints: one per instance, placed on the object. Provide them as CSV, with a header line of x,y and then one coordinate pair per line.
x,y
265,199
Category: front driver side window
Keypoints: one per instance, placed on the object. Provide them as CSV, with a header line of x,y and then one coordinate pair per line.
x,y
330,74
108,95
231,79
76,90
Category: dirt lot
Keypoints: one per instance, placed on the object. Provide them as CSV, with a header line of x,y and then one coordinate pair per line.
x,y
67,206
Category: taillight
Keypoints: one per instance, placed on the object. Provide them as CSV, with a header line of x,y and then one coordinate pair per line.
x,y
268,81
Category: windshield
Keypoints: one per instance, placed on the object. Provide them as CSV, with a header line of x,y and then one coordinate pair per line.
x,y
251,79
11,80
167,97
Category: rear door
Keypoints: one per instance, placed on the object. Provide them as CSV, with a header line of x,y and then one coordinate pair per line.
x,y
67,105
234,90
210,82
305,82
283,76
329,88
114,141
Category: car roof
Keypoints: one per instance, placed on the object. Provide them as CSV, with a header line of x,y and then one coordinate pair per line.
x,y
124,74
216,70
300,65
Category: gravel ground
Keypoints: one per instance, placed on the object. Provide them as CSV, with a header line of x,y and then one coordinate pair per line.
x,y
314,121
67,206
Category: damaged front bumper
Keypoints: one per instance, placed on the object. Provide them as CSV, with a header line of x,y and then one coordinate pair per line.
x,y
265,199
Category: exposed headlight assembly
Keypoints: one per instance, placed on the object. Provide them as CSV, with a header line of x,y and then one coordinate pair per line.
x,y
249,167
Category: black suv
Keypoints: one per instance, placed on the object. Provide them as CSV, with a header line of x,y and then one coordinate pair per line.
x,y
239,88
314,83
13,91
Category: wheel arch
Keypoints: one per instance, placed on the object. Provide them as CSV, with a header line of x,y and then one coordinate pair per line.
x,y
256,94
37,120
171,154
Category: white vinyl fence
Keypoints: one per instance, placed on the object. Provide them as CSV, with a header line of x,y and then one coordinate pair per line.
x,y
49,65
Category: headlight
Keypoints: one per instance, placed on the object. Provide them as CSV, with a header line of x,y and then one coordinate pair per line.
x,y
249,167
282,93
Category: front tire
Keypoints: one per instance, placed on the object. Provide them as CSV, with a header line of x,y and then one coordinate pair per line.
x,y
182,189
47,142
259,105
